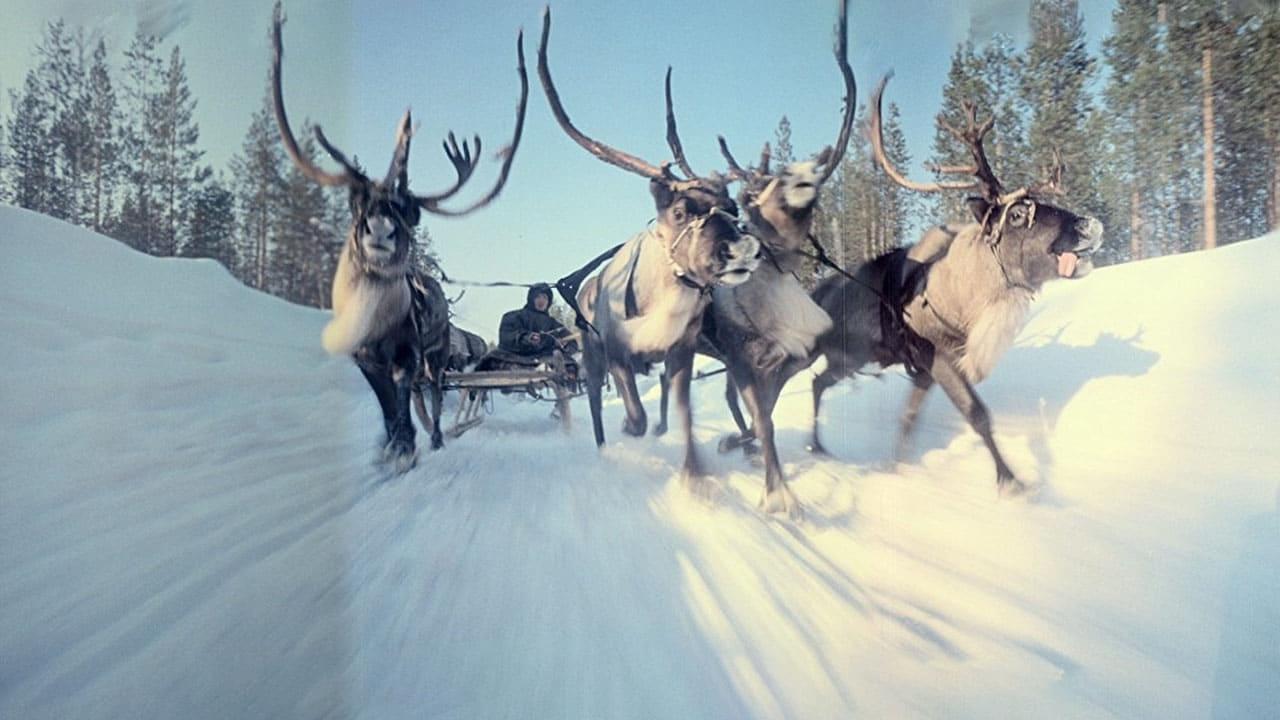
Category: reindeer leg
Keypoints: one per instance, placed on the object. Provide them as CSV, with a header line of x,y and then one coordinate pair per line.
x,y
625,378
761,398
745,436
376,376
437,407
821,384
664,381
970,405
401,447
679,363
909,416
592,359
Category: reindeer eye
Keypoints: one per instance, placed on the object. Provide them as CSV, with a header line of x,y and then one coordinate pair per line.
x,y
678,214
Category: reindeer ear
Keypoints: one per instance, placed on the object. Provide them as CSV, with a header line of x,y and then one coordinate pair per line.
x,y
978,207
357,198
662,193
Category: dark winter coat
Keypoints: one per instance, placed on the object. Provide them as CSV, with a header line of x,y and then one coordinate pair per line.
x,y
518,325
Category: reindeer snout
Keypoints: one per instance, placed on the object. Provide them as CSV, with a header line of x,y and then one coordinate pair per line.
x,y
746,250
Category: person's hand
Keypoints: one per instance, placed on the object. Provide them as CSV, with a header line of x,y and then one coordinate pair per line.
x,y
535,339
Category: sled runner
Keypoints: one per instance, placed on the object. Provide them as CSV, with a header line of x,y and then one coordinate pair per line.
x,y
551,378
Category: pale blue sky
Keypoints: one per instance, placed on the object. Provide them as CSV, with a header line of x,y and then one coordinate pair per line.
x,y
354,67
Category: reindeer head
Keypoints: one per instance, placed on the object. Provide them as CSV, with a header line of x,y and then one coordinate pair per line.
x,y
780,205
1033,240
696,218
385,211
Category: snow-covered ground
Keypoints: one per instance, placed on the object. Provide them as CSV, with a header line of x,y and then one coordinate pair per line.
x,y
191,524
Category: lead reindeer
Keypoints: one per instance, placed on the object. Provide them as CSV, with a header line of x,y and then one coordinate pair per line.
x,y
766,329
950,306
391,318
647,303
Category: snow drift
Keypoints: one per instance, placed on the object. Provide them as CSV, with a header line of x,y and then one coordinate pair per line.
x,y
191,524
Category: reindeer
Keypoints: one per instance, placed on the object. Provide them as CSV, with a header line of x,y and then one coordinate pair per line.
x,y
950,306
765,330
390,317
647,302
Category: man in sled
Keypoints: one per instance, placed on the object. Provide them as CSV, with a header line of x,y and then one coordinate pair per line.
x,y
530,336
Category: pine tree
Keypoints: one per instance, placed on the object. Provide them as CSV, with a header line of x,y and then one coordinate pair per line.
x,y
30,167
258,176
62,75
103,161
1056,71
990,76
177,156
212,222
298,263
1260,67
141,147
1138,131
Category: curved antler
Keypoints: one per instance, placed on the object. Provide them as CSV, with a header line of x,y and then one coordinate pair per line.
x,y
399,170
351,175
465,165
875,135
614,157
830,158
673,136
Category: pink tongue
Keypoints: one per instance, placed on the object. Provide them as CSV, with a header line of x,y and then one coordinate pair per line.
x,y
1067,264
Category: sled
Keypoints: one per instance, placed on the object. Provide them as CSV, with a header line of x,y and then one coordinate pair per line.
x,y
547,379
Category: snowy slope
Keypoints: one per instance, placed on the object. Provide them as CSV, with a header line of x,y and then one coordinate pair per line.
x,y
191,524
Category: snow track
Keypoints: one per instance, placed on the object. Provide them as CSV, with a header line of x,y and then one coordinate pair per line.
x,y
192,524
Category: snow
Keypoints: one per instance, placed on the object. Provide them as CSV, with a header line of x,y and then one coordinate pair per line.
x,y
192,525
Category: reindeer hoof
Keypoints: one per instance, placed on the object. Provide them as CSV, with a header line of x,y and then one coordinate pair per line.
x,y
698,485
1011,487
437,441
633,429
780,501
400,455
817,448
729,443
660,429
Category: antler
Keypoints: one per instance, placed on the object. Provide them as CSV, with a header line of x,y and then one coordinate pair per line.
x,y
462,158
399,170
973,132
972,136
673,136
830,157
614,157
1052,184
350,175
464,163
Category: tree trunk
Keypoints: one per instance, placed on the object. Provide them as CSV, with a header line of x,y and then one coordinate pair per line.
x,y
1135,224
1273,205
1210,189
